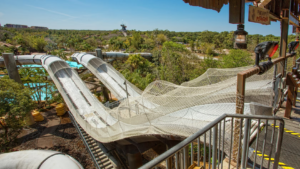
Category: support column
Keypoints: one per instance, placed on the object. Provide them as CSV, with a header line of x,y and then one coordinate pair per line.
x,y
99,53
134,160
105,93
236,11
11,67
283,45
281,68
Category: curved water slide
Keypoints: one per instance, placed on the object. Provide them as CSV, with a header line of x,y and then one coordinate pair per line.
x,y
110,77
169,113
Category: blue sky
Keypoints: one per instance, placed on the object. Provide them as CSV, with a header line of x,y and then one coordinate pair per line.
x,y
174,15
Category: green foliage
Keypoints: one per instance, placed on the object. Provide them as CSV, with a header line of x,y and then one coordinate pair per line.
x,y
138,78
35,80
161,38
192,45
138,71
60,53
175,63
50,47
86,76
207,48
15,104
39,44
138,62
237,58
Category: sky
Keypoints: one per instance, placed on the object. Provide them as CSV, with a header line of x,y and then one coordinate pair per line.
x,y
174,15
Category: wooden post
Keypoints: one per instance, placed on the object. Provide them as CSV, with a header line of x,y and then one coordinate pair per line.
x,y
292,83
283,45
289,101
240,98
295,72
236,11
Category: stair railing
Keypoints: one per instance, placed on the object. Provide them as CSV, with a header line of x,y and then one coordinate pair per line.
x,y
214,145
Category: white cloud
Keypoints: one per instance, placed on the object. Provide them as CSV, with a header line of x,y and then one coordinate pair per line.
x,y
56,12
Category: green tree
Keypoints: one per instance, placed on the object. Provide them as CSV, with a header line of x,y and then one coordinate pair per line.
x,y
15,104
237,58
138,62
161,38
192,45
39,44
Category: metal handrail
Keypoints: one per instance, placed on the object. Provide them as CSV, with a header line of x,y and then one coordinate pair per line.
x,y
214,125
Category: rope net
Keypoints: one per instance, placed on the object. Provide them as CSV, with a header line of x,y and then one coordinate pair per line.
x,y
162,108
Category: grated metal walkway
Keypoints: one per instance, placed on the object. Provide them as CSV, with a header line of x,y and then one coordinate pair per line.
x,y
290,153
290,150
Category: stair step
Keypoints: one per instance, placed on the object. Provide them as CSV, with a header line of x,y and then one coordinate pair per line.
x,y
104,160
102,157
93,145
109,167
105,164
99,154
96,151
91,141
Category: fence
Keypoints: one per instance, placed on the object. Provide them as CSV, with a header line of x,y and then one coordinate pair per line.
x,y
210,146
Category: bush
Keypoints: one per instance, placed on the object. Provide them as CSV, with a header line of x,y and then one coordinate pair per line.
x,y
237,58
15,104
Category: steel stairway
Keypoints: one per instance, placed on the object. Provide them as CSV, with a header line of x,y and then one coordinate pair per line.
x,y
97,151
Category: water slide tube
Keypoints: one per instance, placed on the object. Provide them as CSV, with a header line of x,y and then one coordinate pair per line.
x,y
39,159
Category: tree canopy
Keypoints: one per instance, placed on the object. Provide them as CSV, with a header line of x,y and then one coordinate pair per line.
x,y
16,103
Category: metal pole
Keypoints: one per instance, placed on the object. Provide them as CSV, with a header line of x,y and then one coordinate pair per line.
x,y
126,89
11,67
245,141
215,148
279,143
185,156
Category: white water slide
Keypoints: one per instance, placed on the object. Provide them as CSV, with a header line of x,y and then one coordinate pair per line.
x,y
162,108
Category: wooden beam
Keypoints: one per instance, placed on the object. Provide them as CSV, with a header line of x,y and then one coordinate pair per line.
x,y
236,11
293,19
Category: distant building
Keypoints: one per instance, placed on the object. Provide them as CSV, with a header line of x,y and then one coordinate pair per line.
x,y
15,26
38,27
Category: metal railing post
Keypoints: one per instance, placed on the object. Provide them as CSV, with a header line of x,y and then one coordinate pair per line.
x,y
279,143
181,150
215,147
192,153
185,156
245,141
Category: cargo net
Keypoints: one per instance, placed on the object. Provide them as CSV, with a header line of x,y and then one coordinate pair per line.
x,y
163,108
